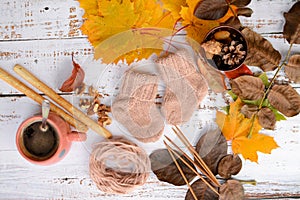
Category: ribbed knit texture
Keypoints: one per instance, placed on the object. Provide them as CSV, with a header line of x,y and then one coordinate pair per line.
x,y
186,88
135,106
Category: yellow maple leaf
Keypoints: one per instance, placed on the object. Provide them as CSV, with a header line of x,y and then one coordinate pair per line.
x,y
108,18
198,28
174,6
244,133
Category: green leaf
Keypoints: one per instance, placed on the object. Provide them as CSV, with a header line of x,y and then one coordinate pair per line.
x,y
266,103
233,96
226,109
252,102
278,115
264,79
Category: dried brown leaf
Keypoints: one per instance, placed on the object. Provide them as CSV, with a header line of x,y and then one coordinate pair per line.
x,y
292,69
248,87
291,30
240,3
229,165
233,22
249,110
211,9
232,189
166,170
266,118
214,78
212,147
285,99
202,191
246,12
260,51
75,80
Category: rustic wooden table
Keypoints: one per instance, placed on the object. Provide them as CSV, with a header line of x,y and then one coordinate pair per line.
x,y
41,35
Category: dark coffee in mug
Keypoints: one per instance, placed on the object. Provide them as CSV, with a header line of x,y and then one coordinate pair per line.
x,y
38,144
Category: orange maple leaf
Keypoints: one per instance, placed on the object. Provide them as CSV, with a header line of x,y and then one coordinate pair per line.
x,y
196,28
107,18
244,133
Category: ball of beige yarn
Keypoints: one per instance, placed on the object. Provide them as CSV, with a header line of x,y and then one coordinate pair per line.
x,y
118,166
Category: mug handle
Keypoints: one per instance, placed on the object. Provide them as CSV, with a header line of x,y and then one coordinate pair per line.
x,y
242,70
75,136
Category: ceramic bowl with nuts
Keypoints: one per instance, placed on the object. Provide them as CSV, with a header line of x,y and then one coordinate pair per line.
x,y
225,48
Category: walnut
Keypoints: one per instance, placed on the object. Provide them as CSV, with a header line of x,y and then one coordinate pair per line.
x,y
84,103
232,54
94,106
80,90
212,47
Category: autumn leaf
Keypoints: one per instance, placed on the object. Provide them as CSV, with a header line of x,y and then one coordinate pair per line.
x,y
214,78
244,133
250,146
260,51
202,191
266,118
285,99
75,80
107,18
132,45
174,6
166,170
211,13
291,30
248,87
211,9
292,69
196,28
232,189
216,9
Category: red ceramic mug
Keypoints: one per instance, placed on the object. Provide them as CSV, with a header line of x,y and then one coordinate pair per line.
x,y
49,147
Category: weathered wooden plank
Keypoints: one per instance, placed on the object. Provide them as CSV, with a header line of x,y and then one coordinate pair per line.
x,y
70,179
44,19
34,19
51,59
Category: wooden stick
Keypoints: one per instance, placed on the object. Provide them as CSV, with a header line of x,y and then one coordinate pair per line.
x,y
185,155
180,170
34,81
200,161
182,137
185,141
11,80
191,168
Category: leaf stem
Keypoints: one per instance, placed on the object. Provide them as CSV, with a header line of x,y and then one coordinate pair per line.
x,y
275,75
252,125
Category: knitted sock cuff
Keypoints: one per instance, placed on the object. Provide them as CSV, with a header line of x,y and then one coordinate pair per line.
x,y
176,66
139,85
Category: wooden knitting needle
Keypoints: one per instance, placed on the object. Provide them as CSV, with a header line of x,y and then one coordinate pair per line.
x,y
34,81
180,170
11,80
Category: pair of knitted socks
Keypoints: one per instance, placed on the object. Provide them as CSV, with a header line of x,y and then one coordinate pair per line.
x,y
135,106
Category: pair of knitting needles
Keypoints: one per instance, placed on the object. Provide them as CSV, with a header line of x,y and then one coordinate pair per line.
x,y
200,164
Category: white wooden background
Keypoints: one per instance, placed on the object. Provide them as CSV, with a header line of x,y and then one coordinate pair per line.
x,y
42,34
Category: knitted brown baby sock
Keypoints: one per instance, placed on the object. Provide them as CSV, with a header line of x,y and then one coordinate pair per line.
x,y
135,106
186,88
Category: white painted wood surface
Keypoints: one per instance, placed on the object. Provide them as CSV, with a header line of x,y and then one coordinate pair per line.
x,y
42,34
